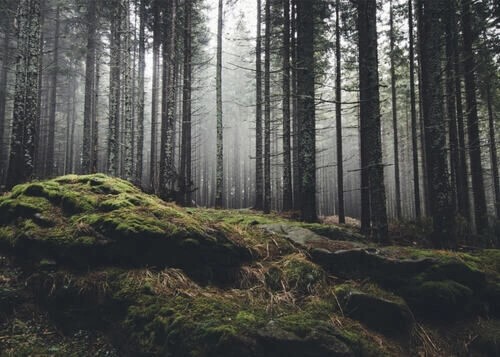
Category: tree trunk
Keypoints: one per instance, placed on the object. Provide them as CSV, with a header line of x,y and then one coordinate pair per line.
x,y
114,91
69,125
186,179
3,100
140,87
287,159
295,128
128,153
394,115
338,116
493,150
480,213
370,116
167,166
451,106
89,86
434,123
259,173
414,142
267,109
49,164
21,161
220,143
306,109
462,169
95,118
154,97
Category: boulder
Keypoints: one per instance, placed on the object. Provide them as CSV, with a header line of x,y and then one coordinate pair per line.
x,y
392,318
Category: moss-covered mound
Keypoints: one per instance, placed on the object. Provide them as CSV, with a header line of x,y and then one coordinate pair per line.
x,y
146,277
91,220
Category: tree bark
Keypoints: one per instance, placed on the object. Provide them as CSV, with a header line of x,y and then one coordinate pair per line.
x,y
480,213
267,109
89,86
493,150
287,159
414,138
153,172
114,91
338,116
220,128
259,173
295,128
186,179
394,115
141,94
306,109
22,152
168,175
370,117
127,97
3,100
434,124
451,106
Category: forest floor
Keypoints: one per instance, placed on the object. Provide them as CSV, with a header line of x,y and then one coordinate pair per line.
x,y
91,265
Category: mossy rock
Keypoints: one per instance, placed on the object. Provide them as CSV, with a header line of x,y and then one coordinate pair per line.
x,y
92,220
390,317
444,299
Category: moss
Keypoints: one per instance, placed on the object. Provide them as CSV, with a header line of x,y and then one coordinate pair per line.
x,y
439,299
295,273
11,209
342,290
332,231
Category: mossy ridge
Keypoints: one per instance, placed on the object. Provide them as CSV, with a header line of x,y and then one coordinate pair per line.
x,y
96,219
166,311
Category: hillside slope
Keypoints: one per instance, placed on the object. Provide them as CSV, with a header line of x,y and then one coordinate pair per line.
x,y
91,264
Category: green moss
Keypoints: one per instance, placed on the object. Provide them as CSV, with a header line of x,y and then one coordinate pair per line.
x,y
368,288
439,299
332,231
11,209
295,272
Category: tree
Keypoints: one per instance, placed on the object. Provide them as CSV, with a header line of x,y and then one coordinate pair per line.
x,y
114,90
431,32
22,151
394,112
186,179
338,115
6,59
267,109
154,96
89,85
49,164
168,175
140,87
287,159
413,113
259,173
370,116
451,106
306,109
220,128
480,213
128,83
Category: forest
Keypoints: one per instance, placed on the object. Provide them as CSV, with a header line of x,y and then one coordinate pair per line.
x,y
249,178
